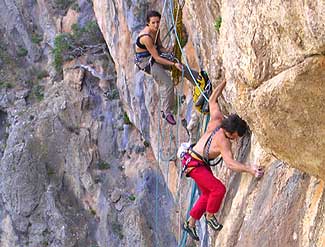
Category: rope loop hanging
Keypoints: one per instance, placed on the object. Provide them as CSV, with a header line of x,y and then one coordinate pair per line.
x,y
178,16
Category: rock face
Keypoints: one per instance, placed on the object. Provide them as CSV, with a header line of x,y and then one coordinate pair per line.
x,y
275,55
82,168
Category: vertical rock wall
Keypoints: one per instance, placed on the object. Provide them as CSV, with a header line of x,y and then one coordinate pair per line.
x,y
268,50
74,172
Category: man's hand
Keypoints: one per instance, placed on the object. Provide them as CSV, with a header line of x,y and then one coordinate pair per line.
x,y
257,171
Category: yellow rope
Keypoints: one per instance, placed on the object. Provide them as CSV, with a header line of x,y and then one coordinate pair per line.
x,y
178,15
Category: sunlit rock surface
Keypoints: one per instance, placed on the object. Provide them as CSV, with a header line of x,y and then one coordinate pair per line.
x,y
83,168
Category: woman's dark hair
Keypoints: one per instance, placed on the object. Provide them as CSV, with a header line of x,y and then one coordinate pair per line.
x,y
234,123
152,13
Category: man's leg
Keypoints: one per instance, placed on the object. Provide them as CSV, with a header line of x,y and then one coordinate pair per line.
x,y
200,205
199,208
217,193
211,186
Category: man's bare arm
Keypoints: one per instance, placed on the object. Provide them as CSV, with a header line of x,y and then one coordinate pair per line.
x,y
236,166
232,164
215,112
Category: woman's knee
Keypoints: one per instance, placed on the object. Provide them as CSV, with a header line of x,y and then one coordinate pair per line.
x,y
161,75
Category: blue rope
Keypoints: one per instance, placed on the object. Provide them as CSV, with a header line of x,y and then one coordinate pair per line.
x,y
184,235
193,193
172,155
194,187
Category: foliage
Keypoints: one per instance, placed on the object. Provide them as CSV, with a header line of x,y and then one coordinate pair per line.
x,y
38,92
75,7
22,52
62,42
102,165
112,94
7,85
70,45
63,4
146,144
117,229
126,119
41,74
50,171
132,197
3,54
217,23
36,38
89,34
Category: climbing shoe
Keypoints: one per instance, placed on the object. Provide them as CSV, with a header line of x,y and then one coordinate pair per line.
x,y
213,223
169,118
191,231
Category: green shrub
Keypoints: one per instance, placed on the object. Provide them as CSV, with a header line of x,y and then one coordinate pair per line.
x,y
41,74
22,52
38,92
132,197
146,144
217,23
50,171
66,44
7,85
102,165
62,42
4,55
112,94
89,34
63,4
75,7
126,119
36,38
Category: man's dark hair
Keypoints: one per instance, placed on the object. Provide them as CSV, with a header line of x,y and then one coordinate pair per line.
x,y
152,13
234,123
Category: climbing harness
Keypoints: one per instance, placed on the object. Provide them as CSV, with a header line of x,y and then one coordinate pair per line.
x,y
206,150
143,61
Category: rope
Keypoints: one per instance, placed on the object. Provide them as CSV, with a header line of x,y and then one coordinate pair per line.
x,y
172,154
193,192
178,15
157,182
184,57
178,30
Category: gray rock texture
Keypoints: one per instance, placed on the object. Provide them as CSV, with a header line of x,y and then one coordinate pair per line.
x,y
80,168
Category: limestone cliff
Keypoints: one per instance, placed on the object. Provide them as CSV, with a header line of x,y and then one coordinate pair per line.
x,y
84,151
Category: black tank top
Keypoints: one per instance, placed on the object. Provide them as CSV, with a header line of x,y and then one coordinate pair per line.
x,y
138,43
